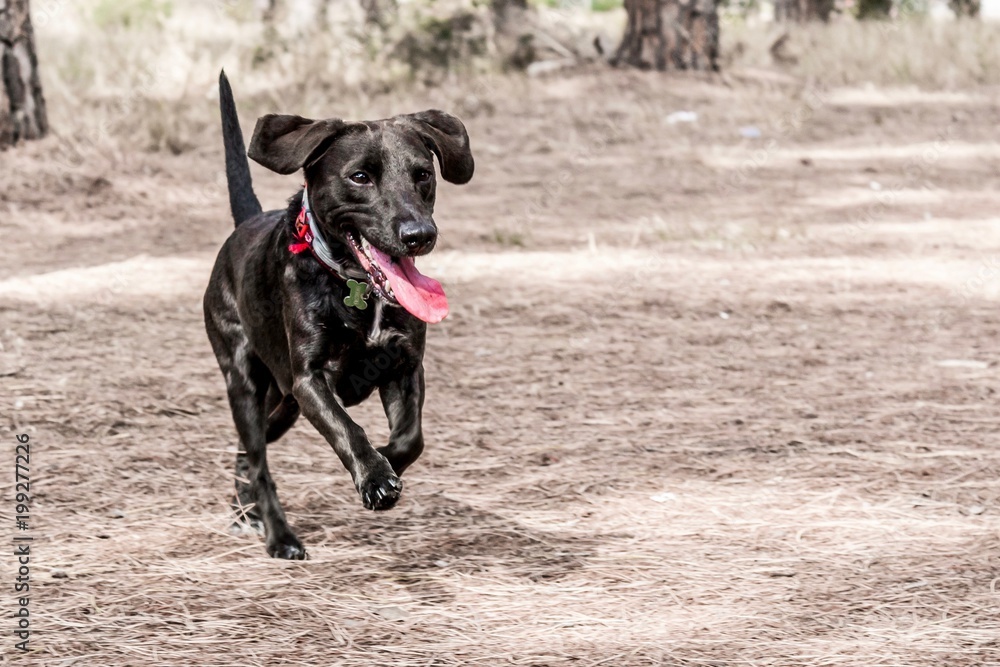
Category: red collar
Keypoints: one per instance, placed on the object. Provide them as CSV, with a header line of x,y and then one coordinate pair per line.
x,y
303,235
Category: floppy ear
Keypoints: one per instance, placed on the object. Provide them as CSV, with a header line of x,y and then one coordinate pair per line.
x,y
445,135
285,144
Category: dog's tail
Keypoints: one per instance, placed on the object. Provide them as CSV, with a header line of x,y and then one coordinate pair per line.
x,y
242,201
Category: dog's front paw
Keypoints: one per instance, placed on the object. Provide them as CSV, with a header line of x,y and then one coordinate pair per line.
x,y
380,488
286,546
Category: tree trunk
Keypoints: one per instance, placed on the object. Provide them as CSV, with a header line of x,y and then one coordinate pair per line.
x,y
22,107
513,33
696,35
968,8
684,33
644,44
874,9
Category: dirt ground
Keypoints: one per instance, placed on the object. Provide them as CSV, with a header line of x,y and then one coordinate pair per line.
x,y
703,398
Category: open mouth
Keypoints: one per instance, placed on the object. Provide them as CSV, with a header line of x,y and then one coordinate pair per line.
x,y
397,281
376,277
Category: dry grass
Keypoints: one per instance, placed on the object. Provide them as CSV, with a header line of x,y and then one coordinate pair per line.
x,y
932,55
655,486
722,437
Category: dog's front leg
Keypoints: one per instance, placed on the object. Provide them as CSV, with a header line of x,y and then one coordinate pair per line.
x,y
403,401
373,476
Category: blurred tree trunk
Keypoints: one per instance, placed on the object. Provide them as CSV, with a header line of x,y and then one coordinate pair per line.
x,y
969,8
874,9
22,107
644,44
696,35
685,30
513,32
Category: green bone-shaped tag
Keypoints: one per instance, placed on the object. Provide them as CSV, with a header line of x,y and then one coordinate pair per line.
x,y
356,299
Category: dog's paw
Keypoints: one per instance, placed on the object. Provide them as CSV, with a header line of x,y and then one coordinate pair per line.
x,y
380,490
287,546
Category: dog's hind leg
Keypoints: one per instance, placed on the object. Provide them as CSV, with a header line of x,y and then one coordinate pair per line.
x,y
247,400
282,411
403,401
247,384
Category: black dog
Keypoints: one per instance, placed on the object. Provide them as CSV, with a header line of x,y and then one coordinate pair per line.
x,y
312,308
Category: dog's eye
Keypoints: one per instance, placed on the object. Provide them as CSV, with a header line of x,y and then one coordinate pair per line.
x,y
422,176
361,178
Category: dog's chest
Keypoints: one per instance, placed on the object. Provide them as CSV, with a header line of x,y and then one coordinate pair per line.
x,y
376,358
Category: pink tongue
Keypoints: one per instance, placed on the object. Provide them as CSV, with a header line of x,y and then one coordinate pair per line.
x,y
423,297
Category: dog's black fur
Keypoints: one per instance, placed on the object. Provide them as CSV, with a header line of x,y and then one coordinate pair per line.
x,y
284,339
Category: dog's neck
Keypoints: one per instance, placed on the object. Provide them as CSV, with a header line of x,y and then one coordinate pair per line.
x,y
309,237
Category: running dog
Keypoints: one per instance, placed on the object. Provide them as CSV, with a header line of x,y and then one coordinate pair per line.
x,y
312,308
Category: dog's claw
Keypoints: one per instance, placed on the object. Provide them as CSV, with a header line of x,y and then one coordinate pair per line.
x,y
381,493
288,548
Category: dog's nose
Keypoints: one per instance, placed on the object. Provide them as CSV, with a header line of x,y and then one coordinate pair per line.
x,y
417,236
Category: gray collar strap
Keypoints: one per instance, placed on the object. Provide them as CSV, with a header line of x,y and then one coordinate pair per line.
x,y
320,248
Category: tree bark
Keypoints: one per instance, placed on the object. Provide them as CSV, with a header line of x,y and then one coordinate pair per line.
x,y
682,33
644,44
696,35
22,107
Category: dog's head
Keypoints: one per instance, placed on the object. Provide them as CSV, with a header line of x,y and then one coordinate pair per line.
x,y
372,183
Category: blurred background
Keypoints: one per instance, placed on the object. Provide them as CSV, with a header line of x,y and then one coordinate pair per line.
x,y
144,70
718,386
